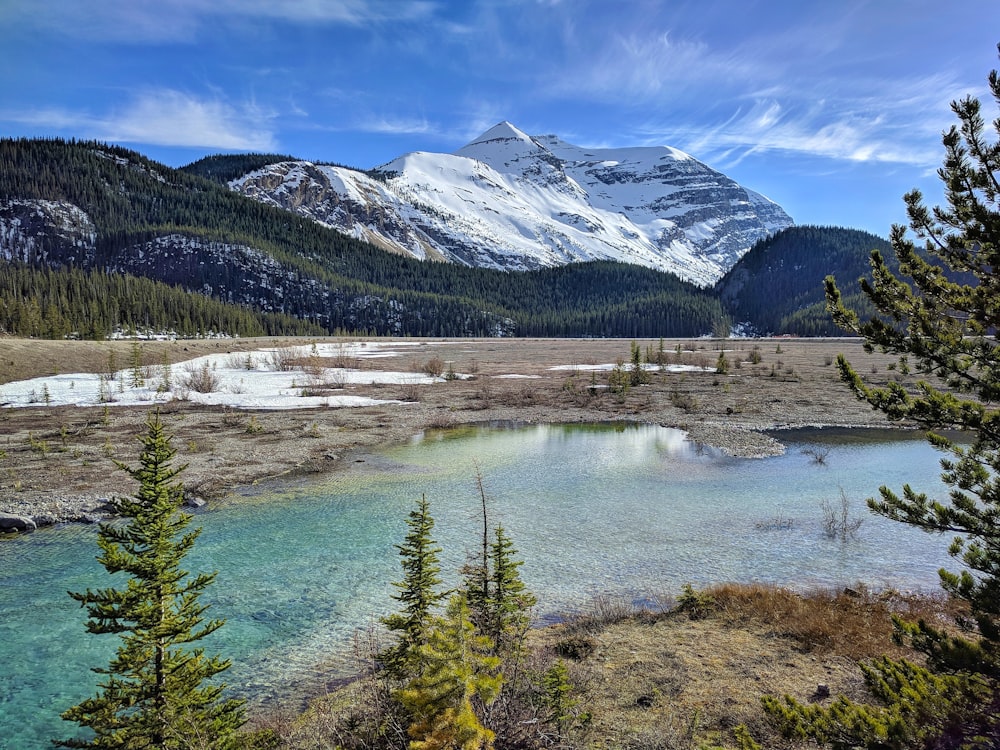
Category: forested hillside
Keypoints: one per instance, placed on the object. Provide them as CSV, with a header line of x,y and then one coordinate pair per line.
x,y
222,168
777,287
135,216
59,302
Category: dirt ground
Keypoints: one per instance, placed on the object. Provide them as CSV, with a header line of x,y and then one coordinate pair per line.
x,y
56,462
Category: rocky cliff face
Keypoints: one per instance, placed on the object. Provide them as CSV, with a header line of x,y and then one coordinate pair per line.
x,y
512,201
42,232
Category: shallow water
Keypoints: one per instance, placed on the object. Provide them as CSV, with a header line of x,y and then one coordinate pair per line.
x,y
627,511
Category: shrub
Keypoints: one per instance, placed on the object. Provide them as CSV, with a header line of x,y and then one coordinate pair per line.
x,y
200,379
722,364
685,401
284,359
696,604
837,520
575,647
818,455
434,367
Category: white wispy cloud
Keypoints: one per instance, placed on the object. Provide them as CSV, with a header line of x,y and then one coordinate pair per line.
x,y
652,67
145,21
389,125
724,102
353,12
163,117
886,121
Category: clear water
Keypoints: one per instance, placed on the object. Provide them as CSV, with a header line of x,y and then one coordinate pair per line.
x,y
628,511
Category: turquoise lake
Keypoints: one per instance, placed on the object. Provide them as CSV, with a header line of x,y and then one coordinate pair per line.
x,y
625,511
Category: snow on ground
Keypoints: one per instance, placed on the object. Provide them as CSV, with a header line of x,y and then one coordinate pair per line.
x,y
247,380
273,378
648,367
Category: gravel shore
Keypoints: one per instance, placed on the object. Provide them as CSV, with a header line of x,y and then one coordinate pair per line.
x,y
56,462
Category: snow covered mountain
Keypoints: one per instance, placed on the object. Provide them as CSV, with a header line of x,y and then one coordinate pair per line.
x,y
512,201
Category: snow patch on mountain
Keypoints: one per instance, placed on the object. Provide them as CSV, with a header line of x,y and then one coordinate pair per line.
x,y
512,201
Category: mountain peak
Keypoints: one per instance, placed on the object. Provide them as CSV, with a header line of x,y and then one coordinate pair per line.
x,y
502,131
513,201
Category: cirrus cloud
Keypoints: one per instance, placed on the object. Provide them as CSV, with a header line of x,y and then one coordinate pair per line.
x,y
164,117
170,21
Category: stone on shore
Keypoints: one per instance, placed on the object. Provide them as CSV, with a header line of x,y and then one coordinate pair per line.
x,y
10,523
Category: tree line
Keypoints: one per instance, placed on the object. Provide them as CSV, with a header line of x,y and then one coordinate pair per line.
x,y
69,302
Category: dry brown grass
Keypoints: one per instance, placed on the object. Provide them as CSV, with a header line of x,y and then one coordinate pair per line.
x,y
651,679
667,680
854,623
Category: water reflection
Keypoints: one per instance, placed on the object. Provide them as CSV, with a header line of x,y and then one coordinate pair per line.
x,y
627,510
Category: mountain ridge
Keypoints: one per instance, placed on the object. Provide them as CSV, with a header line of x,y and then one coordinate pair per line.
x,y
117,212
512,201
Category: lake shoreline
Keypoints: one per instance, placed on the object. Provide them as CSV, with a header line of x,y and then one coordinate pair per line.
x,y
58,460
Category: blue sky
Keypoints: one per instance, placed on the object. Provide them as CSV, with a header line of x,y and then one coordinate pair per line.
x,y
833,108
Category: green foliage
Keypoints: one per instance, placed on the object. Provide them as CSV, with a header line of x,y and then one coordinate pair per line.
x,y
417,592
135,366
55,303
153,694
458,679
38,445
919,709
453,668
619,380
777,284
944,330
721,364
696,603
637,373
511,602
499,601
556,696
939,315
500,609
222,168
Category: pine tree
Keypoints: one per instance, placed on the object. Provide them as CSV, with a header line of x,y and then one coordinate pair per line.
x,y
135,366
418,592
556,698
511,601
499,602
942,323
454,668
638,374
152,694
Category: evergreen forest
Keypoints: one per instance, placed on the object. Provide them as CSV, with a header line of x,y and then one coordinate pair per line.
x,y
794,263
161,247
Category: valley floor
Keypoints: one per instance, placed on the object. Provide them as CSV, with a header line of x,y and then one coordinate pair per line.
x,y
647,680
56,461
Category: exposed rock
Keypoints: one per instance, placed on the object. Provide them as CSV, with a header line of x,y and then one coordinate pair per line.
x,y
10,523
41,231
518,202
45,519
